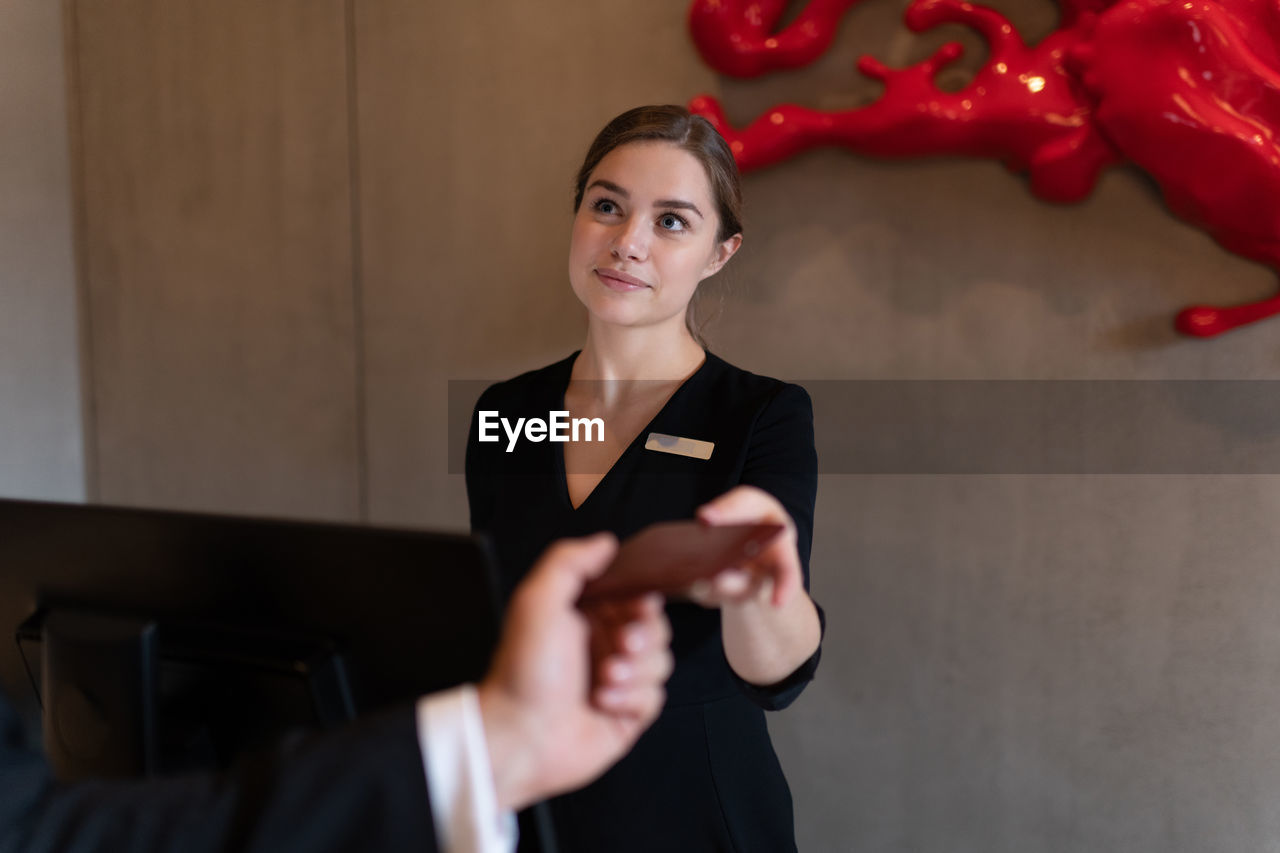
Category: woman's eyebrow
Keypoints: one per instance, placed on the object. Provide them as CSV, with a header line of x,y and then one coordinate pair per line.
x,y
679,205
610,186
676,203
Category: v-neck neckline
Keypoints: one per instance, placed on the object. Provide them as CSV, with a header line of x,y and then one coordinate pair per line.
x,y
558,448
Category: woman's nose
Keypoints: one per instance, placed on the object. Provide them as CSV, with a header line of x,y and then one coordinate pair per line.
x,y
631,241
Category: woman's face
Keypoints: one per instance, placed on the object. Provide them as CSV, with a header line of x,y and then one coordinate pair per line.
x,y
645,235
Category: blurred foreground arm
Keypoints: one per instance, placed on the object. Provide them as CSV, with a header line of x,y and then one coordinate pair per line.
x,y
569,692
565,698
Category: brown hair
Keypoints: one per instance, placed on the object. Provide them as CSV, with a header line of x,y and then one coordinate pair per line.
x,y
692,133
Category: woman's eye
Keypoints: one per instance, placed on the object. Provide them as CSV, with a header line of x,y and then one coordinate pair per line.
x,y
605,206
671,222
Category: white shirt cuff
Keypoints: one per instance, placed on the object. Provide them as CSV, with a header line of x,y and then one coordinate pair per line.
x,y
455,757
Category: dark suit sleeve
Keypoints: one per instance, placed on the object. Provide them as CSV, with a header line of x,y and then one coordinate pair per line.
x,y
359,789
782,460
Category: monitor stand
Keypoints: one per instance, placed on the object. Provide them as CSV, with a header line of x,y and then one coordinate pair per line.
x,y
98,674
126,697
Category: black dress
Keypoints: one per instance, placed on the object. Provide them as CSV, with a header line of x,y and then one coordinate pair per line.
x,y
705,776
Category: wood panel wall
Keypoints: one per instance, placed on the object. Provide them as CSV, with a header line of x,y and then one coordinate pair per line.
x,y
215,163
41,437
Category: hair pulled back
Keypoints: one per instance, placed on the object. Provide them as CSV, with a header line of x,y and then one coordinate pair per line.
x,y
692,133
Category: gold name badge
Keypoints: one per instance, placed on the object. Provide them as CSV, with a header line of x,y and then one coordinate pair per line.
x,y
690,447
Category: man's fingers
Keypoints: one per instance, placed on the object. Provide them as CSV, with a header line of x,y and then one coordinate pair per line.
x,y
599,642
654,665
613,624
640,702
621,611
639,659
568,564
635,639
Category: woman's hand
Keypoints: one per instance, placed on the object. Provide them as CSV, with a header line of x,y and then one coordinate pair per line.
x,y
773,575
769,624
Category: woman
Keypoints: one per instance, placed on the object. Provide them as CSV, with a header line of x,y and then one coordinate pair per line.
x,y
657,211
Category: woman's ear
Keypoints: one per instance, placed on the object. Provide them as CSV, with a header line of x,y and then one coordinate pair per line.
x,y
723,252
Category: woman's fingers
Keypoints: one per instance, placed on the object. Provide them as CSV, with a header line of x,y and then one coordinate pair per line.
x,y
744,505
777,566
727,586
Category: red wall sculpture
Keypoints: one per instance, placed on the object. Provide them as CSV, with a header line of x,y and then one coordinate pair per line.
x,y
1188,90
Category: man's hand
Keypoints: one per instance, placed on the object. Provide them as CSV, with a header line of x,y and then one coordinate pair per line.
x,y
569,692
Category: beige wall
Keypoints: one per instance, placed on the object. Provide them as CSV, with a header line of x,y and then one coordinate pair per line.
x,y
41,444
305,218
215,153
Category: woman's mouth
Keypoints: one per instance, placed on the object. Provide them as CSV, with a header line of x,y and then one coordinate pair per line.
x,y
619,281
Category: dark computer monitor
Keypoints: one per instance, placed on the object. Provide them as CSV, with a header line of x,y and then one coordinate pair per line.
x,y
146,641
